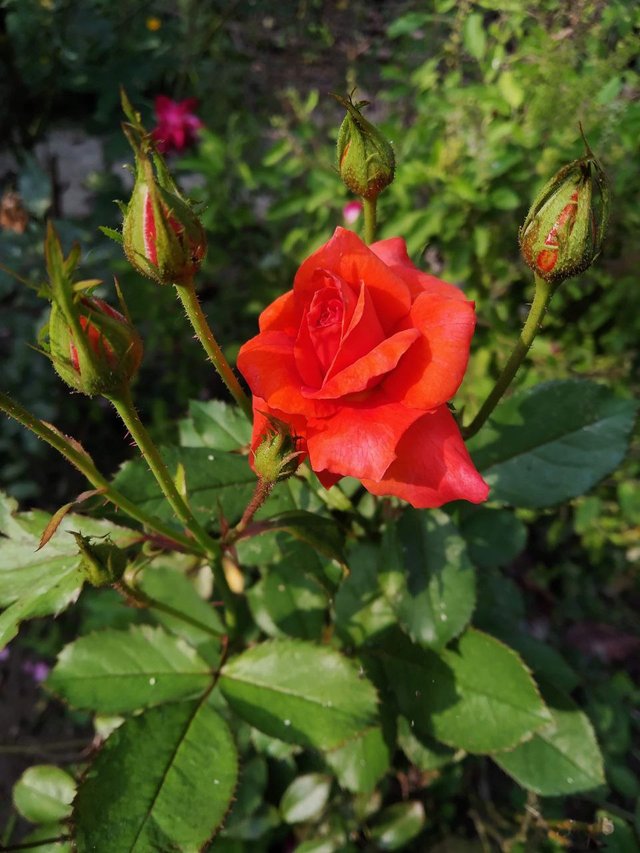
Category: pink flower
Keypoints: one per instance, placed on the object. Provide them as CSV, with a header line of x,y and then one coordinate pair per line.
x,y
38,670
177,123
351,211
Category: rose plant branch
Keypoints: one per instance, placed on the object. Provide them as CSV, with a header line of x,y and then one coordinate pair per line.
x,y
85,465
123,404
140,599
189,298
370,221
542,297
561,237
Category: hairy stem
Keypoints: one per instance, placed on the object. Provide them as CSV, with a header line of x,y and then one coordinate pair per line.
x,y
542,296
370,220
123,404
189,298
84,464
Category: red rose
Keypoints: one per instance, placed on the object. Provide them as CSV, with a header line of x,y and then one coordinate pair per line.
x,y
360,359
177,123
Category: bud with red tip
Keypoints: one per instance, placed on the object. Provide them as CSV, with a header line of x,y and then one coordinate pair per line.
x,y
564,229
101,355
365,158
162,236
93,347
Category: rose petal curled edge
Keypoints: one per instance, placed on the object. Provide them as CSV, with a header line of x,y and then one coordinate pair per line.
x,y
382,416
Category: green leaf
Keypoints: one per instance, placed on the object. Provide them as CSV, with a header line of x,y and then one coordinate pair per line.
x,y
43,833
216,483
426,753
477,695
321,533
169,585
427,577
300,693
287,601
561,758
305,798
216,425
114,672
44,793
396,825
495,537
360,611
164,780
510,89
533,460
42,582
360,763
474,37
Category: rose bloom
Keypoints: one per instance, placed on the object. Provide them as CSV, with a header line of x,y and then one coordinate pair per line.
x,y
360,359
177,124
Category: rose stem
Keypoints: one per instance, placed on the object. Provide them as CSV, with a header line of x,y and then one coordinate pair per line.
x,y
137,598
189,298
369,205
261,493
124,406
84,464
544,290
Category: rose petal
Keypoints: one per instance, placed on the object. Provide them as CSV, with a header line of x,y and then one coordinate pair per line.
x,y
267,363
438,361
363,333
347,256
394,253
312,354
363,374
262,425
282,315
432,465
359,440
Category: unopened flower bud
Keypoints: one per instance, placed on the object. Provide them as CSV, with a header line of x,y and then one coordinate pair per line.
x,y
276,457
108,355
563,232
162,236
365,158
102,563
93,347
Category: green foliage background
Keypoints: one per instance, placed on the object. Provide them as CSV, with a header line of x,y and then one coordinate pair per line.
x,y
482,101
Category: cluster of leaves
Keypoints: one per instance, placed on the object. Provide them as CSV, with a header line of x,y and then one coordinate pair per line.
x,y
350,707
420,678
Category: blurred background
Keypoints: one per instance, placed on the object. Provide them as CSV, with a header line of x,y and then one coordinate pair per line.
x,y
482,101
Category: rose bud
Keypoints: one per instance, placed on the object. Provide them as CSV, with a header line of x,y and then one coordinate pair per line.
x,y
365,158
102,563
162,236
563,232
104,352
276,457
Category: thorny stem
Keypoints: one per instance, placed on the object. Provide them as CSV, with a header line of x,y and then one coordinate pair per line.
x,y
123,403
189,298
542,296
85,465
369,205
261,493
137,598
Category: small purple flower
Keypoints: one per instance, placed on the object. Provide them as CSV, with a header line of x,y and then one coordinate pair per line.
x,y
38,670
4,654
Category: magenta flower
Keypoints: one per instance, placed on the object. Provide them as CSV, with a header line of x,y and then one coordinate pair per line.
x,y
177,124
38,670
351,212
